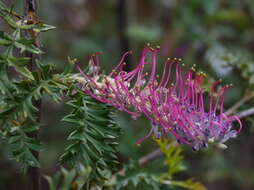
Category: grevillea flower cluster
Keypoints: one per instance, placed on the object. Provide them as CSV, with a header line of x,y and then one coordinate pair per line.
x,y
173,102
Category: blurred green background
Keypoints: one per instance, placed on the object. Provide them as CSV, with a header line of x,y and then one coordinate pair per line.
x,y
216,35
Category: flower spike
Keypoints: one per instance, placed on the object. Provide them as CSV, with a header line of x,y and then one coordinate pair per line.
x,y
174,103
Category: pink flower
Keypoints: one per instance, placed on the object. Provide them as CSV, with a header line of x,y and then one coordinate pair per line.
x,y
174,103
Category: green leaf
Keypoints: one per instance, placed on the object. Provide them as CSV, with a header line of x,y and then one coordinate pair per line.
x,y
12,23
2,6
21,61
27,45
52,185
6,14
5,39
69,179
189,184
88,142
4,88
69,68
41,27
34,144
14,139
136,175
24,155
25,72
30,128
173,157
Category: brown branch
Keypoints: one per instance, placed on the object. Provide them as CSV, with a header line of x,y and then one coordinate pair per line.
x,y
145,159
30,13
150,157
245,99
246,113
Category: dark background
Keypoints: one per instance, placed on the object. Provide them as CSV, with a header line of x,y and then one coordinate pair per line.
x,y
216,35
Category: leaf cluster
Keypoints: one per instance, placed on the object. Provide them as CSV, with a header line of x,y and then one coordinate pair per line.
x,y
134,176
24,80
93,139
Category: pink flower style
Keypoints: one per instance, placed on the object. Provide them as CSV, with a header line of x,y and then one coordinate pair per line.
x,y
173,104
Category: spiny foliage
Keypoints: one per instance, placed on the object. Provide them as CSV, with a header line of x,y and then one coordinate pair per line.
x,y
94,133
18,114
134,176
72,179
130,177
92,140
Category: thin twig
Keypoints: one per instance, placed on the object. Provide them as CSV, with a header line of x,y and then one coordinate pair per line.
x,y
246,98
150,157
30,13
246,113
145,159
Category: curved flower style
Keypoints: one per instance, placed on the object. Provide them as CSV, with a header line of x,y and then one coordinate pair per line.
x,y
173,104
